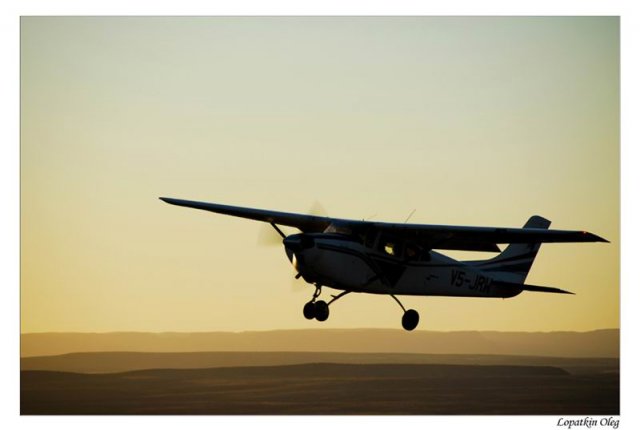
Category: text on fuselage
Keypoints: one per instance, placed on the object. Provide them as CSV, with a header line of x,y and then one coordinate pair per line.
x,y
474,282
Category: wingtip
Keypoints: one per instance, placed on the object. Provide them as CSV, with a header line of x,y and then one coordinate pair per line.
x,y
594,237
168,200
560,291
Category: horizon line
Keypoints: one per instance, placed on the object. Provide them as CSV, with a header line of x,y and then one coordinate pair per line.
x,y
314,329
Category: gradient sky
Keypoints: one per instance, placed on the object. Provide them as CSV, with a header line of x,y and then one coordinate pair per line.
x,y
471,121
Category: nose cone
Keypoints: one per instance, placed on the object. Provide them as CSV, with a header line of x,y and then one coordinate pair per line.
x,y
295,244
292,243
298,242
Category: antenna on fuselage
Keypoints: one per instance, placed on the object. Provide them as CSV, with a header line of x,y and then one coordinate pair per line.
x,y
405,221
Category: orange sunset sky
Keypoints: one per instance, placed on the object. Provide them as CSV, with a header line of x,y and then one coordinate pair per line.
x,y
470,121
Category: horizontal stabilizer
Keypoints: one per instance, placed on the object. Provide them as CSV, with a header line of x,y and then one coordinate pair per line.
x,y
527,287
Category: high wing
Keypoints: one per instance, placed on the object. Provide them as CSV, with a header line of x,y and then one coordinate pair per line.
x,y
481,238
426,235
305,223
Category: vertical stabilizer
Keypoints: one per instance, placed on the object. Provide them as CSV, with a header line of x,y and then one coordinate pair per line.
x,y
513,264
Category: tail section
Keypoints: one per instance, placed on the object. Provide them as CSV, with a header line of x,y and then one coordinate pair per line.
x,y
513,264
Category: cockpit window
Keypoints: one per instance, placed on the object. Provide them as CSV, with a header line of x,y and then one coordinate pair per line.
x,y
411,251
338,229
390,245
390,248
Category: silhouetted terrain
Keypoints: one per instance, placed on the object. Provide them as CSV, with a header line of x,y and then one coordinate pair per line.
x,y
105,362
296,372
324,389
599,343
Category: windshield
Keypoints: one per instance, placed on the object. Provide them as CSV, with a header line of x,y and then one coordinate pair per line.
x,y
338,229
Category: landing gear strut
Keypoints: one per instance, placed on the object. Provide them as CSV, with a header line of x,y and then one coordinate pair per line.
x,y
410,318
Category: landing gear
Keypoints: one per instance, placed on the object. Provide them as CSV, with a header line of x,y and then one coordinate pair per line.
x,y
410,318
315,309
319,309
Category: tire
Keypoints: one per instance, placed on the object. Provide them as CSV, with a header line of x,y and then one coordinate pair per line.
x,y
321,310
410,320
309,310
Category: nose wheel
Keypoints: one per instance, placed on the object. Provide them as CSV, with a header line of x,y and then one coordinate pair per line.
x,y
309,310
319,309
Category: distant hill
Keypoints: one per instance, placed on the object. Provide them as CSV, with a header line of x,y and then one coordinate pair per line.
x,y
598,343
112,362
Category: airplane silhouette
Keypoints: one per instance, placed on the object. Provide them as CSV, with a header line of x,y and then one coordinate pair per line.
x,y
400,259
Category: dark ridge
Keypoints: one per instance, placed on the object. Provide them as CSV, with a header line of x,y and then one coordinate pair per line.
x,y
326,388
336,370
331,370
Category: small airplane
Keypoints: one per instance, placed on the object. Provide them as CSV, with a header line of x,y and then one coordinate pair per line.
x,y
398,259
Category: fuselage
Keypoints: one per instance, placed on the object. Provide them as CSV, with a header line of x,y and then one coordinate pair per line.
x,y
382,265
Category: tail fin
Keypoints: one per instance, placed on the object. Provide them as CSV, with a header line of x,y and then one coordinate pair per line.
x,y
513,264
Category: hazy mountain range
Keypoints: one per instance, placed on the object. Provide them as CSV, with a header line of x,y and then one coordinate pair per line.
x,y
598,343
321,371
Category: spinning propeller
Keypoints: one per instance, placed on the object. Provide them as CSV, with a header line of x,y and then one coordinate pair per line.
x,y
269,236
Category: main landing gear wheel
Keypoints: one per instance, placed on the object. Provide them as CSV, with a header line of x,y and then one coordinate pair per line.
x,y
410,317
410,320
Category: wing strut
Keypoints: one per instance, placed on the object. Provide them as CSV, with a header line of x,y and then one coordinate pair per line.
x,y
278,230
